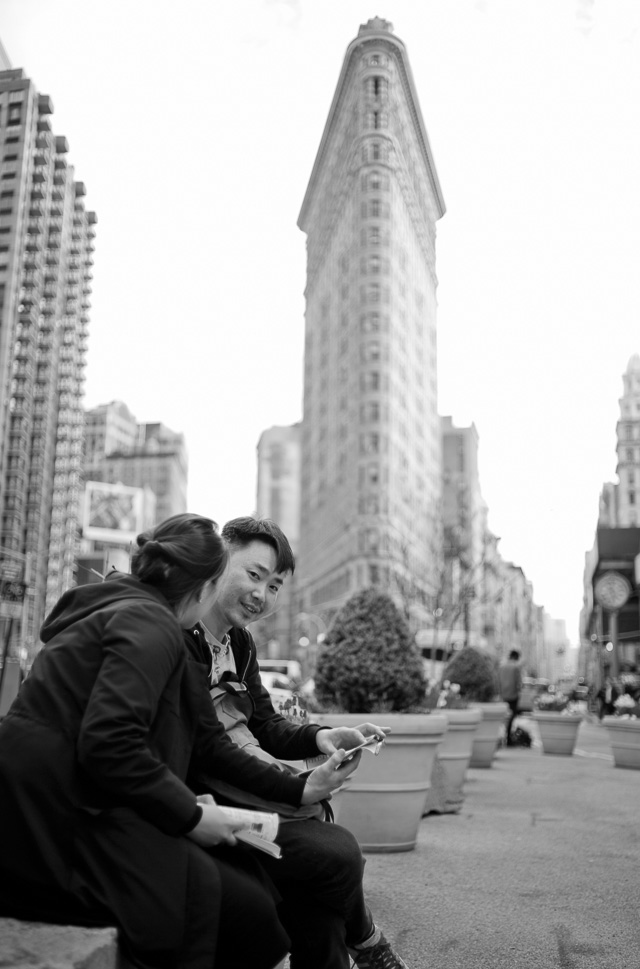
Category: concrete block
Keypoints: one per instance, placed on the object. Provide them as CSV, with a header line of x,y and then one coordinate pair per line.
x,y
34,945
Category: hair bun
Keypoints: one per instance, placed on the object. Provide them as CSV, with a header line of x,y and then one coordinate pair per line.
x,y
150,545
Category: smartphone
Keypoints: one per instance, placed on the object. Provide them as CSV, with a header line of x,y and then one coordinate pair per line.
x,y
369,742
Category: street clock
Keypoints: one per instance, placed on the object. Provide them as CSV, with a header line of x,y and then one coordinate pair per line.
x,y
612,591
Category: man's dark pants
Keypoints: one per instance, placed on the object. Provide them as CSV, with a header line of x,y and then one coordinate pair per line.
x,y
320,879
513,706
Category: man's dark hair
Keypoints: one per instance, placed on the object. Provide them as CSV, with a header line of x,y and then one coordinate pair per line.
x,y
240,532
514,654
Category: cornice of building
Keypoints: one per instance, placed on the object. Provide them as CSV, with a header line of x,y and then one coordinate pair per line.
x,y
377,36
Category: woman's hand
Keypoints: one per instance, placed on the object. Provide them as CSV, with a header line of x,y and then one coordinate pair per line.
x,y
213,828
345,738
329,777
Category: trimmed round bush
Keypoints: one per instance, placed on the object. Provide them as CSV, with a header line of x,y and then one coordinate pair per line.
x,y
474,671
369,661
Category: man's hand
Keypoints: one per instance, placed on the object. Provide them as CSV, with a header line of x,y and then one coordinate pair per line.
x,y
344,738
329,777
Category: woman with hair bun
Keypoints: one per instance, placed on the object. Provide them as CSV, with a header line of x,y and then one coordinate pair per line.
x,y
97,824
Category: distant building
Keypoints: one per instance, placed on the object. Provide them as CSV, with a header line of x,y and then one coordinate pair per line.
x,y
122,451
5,64
464,521
609,637
46,254
108,429
620,502
278,498
371,454
558,660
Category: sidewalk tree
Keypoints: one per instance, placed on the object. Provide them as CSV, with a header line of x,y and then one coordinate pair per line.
x,y
475,673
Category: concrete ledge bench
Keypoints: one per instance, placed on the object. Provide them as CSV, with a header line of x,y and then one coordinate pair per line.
x,y
35,945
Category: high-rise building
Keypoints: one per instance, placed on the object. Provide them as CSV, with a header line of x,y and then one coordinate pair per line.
x,y
108,429
46,254
278,498
122,451
614,560
620,501
464,521
371,450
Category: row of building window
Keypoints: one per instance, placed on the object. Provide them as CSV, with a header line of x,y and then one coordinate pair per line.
x,y
375,151
374,182
374,209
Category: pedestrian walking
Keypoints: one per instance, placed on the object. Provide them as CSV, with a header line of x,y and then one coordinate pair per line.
x,y
510,681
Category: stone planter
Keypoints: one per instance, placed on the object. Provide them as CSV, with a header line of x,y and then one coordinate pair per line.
x,y
558,731
488,732
452,759
624,736
382,801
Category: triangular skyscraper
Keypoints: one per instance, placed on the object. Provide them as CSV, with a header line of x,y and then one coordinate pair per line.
x,y
371,452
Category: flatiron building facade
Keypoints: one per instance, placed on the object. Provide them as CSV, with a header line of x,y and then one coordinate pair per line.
x,y
371,445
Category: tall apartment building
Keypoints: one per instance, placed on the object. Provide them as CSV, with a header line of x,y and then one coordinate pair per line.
x,y
370,433
122,451
278,498
46,254
620,501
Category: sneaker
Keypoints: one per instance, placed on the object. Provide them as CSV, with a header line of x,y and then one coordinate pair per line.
x,y
378,956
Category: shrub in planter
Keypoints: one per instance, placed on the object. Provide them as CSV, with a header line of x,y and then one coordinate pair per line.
x,y
369,661
370,667
474,671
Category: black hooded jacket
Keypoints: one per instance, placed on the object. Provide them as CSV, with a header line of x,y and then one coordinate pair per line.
x,y
94,753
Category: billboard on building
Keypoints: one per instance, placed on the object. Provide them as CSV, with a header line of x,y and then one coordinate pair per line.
x,y
113,513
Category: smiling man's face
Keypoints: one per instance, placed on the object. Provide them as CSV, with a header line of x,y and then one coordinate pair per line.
x,y
248,589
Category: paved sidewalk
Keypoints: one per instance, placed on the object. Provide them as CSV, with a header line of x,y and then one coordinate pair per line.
x,y
539,870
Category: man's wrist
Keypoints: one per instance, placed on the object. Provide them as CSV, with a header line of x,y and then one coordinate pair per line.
x,y
317,735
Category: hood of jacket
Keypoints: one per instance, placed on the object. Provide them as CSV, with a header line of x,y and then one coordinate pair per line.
x,y
83,600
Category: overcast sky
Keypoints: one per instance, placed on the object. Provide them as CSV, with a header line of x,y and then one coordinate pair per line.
x,y
194,126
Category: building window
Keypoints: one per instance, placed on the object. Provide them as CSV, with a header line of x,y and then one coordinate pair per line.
x,y
370,323
370,351
372,541
370,443
370,381
370,412
15,114
632,497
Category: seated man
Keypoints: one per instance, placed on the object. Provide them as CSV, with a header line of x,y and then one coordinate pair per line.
x,y
319,874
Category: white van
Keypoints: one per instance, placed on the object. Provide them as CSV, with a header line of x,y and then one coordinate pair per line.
x,y
287,668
